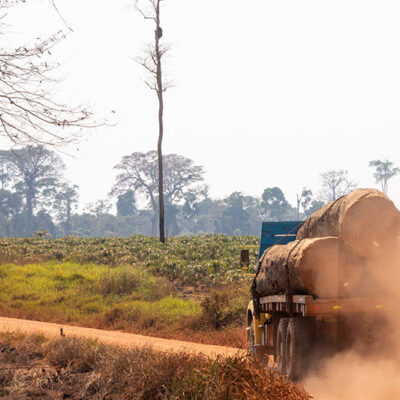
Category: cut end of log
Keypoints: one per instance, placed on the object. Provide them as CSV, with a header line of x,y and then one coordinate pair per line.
x,y
366,220
384,272
371,225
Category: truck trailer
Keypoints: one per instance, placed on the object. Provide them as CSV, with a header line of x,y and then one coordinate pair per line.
x,y
292,331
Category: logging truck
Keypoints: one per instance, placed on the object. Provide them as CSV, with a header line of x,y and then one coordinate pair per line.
x,y
289,332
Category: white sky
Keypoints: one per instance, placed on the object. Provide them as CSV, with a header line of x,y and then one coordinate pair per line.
x,y
269,93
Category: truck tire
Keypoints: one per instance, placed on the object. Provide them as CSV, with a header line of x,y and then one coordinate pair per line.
x,y
280,345
293,349
251,339
258,352
300,338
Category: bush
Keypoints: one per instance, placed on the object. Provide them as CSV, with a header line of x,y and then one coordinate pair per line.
x,y
225,307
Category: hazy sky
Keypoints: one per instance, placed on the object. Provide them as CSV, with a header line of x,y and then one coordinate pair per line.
x,y
268,93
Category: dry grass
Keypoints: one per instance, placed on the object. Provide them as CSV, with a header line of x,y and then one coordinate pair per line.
x,y
70,368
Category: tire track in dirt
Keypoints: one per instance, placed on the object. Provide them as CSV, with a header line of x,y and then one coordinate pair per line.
x,y
122,339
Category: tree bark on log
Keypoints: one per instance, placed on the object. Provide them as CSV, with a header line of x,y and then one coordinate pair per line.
x,y
320,266
366,220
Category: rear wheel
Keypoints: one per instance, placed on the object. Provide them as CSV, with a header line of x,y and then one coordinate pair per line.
x,y
280,345
252,340
293,349
300,338
258,352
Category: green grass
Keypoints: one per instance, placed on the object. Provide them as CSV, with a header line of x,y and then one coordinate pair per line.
x,y
134,284
124,297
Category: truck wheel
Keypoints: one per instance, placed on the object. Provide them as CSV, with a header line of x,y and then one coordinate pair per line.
x,y
294,348
257,351
252,340
280,345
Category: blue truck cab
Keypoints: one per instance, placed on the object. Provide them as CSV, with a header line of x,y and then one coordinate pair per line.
x,y
277,233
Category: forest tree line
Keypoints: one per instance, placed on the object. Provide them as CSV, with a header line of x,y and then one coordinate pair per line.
x,y
36,198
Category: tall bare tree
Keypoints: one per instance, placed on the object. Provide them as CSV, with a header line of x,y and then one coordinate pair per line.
x,y
384,170
152,62
29,111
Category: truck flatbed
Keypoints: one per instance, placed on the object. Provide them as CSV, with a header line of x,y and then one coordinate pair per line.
x,y
308,306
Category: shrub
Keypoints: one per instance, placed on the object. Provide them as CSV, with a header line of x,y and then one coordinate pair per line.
x,y
224,307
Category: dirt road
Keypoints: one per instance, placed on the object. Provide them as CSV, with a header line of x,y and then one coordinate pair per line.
x,y
114,337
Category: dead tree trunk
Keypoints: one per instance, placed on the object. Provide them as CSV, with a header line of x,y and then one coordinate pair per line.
x,y
160,92
152,62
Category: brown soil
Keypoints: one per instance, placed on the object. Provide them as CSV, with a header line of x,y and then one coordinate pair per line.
x,y
122,339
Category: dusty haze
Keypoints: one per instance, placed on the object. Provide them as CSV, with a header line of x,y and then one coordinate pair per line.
x,y
364,373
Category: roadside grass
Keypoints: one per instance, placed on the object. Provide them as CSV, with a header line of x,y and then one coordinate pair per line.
x,y
191,288
92,295
123,298
37,368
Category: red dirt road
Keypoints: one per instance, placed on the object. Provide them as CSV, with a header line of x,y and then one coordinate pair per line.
x,y
118,338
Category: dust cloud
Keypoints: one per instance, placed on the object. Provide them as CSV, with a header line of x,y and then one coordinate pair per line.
x,y
367,371
351,376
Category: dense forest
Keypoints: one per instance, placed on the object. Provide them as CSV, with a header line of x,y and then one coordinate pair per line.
x,y
35,198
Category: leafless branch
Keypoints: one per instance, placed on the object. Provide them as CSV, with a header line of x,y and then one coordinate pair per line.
x,y
143,14
29,114
60,15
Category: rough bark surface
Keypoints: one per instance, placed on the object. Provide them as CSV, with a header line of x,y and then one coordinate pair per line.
x,y
320,266
366,220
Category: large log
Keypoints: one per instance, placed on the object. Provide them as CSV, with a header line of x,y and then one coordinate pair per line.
x,y
320,266
366,220
384,273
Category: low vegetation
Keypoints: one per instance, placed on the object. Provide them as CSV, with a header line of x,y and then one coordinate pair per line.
x,y
127,298
208,260
68,368
192,288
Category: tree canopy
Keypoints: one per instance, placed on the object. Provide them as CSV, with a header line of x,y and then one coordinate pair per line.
x,y
384,171
139,172
274,205
35,173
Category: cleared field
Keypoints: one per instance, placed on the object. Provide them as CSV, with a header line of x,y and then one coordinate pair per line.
x,y
206,260
192,287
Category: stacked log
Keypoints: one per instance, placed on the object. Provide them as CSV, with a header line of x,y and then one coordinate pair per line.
x,y
384,272
319,266
366,220
349,243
